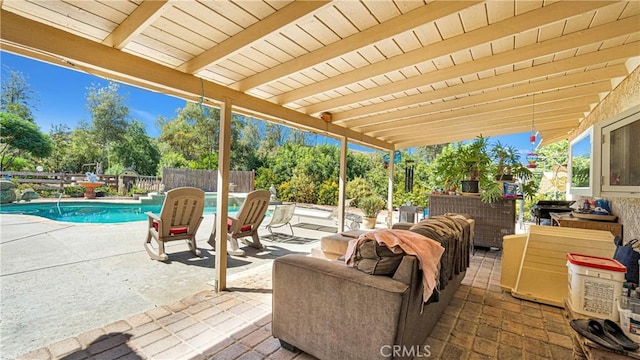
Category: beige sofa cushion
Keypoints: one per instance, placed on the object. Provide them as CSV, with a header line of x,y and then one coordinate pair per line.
x,y
338,243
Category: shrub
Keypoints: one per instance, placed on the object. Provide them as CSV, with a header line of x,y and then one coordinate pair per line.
x,y
107,190
265,178
285,192
418,197
74,191
303,189
43,193
357,189
139,191
328,192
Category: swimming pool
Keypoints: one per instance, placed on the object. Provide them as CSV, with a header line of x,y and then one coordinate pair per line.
x,y
92,212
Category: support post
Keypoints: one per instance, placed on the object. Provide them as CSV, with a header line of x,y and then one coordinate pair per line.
x,y
222,201
342,183
390,196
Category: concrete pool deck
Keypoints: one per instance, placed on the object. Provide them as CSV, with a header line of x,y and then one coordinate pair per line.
x,y
62,279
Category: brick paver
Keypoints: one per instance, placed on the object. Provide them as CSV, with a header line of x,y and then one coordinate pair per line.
x,y
481,322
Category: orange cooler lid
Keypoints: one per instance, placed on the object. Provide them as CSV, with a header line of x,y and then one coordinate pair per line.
x,y
596,262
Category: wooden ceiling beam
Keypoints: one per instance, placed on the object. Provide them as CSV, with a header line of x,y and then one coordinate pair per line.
x,y
574,40
256,32
530,20
396,25
143,16
571,86
470,129
481,117
29,37
557,67
433,139
489,111
552,136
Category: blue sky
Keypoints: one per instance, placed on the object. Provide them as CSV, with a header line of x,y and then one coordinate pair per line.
x,y
61,99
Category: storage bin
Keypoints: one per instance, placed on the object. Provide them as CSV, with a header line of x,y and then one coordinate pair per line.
x,y
595,285
630,323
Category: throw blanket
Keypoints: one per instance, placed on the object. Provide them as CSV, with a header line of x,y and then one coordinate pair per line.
x,y
426,250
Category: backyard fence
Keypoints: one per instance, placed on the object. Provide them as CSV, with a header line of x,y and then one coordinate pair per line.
x,y
52,180
207,180
108,180
40,180
149,183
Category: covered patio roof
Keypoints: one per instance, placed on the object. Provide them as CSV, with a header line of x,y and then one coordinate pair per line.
x,y
387,74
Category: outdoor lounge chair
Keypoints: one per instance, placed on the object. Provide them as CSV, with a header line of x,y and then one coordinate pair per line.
x,y
245,223
179,219
352,221
282,215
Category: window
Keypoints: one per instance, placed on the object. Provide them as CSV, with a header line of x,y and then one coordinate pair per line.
x,y
581,169
621,153
605,159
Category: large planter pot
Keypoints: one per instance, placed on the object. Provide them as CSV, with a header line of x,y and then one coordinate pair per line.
x,y
470,186
369,222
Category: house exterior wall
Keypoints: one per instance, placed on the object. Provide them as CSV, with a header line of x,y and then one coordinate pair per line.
x,y
623,97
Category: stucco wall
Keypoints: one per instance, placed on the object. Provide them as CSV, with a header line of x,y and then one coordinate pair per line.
x,y
623,97
628,211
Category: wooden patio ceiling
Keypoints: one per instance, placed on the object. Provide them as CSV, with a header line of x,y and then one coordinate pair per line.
x,y
393,74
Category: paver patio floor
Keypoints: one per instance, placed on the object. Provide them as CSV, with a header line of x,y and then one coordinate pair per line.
x,y
480,323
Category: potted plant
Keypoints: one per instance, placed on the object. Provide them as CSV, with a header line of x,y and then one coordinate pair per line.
x,y
508,168
370,205
447,169
476,163
506,158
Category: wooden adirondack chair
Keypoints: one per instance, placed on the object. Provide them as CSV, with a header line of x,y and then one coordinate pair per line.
x,y
245,223
179,219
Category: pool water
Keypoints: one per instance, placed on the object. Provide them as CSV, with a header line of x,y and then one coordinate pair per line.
x,y
92,212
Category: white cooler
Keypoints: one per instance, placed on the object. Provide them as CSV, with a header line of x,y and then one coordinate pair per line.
x,y
595,285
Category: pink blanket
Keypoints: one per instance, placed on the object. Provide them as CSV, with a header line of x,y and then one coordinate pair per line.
x,y
427,251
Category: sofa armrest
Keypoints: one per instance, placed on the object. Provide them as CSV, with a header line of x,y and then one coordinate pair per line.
x,y
332,311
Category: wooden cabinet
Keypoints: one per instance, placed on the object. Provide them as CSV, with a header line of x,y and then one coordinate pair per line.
x,y
566,220
492,220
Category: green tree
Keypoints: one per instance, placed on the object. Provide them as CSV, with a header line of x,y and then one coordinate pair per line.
x,y
109,115
82,150
137,150
273,139
554,154
297,137
172,160
19,137
61,138
358,164
17,96
429,153
248,145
